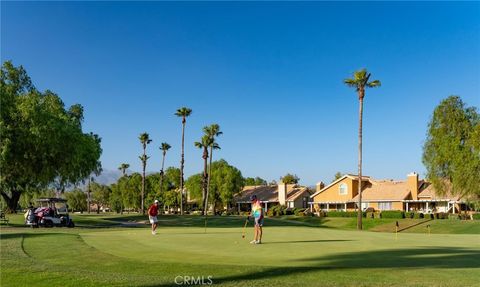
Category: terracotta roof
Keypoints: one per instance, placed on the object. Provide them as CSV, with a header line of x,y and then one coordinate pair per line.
x,y
263,193
429,192
268,193
385,190
296,193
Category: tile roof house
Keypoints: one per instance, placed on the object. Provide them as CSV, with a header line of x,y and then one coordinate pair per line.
x,y
290,195
408,195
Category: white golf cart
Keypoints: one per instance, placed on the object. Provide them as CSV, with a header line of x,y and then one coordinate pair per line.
x,y
51,212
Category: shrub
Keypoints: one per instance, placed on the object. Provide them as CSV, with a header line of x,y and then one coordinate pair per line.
x,y
342,214
289,211
410,214
276,210
299,211
418,215
392,214
476,216
441,215
307,212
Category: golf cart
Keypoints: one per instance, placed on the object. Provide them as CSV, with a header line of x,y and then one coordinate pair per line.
x,y
51,212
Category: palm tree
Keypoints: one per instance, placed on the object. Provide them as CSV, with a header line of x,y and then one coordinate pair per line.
x,y
123,167
183,112
164,147
360,81
211,131
145,140
204,144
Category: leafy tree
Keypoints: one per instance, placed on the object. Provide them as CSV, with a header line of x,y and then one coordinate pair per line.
x,y
183,112
194,185
227,180
212,131
337,176
116,198
360,82
290,179
164,147
171,179
101,195
131,189
76,200
123,168
144,140
451,153
42,141
255,181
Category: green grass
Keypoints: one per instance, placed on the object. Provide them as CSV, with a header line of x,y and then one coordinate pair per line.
x,y
297,251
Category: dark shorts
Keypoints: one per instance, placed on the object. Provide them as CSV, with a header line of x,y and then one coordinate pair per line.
x,y
258,221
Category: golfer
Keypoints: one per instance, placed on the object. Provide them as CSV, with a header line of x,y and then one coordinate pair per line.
x,y
152,216
257,213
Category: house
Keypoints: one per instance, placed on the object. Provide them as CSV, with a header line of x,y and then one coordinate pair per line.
x,y
289,195
409,195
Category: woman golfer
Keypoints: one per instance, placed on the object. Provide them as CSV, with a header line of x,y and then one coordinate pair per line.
x,y
152,216
257,213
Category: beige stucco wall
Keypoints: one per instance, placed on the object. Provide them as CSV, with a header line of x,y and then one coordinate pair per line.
x,y
332,193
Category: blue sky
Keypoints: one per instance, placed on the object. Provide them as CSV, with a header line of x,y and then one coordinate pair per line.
x,y
269,73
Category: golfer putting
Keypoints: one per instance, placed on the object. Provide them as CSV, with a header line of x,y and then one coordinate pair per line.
x,y
152,216
257,214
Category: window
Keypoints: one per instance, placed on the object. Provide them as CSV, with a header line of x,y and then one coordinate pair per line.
x,y
385,205
343,189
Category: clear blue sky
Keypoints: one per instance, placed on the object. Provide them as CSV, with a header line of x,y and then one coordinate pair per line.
x,y
270,73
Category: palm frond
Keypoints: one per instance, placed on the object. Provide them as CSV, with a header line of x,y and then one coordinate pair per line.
x,y
165,146
374,84
183,112
350,82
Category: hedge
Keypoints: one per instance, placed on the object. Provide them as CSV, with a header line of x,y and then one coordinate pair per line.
x,y
441,215
392,214
342,214
476,216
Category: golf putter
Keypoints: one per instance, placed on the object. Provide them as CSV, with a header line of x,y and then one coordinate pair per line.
x,y
244,227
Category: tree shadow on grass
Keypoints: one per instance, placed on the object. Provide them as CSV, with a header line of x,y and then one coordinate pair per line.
x,y
441,257
306,241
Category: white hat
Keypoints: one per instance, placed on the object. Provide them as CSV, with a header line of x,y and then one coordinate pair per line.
x,y
156,201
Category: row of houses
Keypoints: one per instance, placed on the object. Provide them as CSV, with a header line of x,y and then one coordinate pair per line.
x,y
411,194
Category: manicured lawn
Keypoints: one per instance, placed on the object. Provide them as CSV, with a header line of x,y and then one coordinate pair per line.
x,y
296,252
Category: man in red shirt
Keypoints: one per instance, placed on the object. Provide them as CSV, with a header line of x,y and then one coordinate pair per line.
x,y
152,216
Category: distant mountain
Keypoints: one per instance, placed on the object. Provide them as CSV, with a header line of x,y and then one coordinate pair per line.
x,y
109,176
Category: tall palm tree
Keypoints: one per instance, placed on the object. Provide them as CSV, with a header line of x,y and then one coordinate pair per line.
x,y
164,148
204,144
123,167
360,82
212,132
183,112
144,140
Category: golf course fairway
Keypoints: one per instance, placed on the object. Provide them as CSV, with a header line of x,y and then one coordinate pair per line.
x,y
100,253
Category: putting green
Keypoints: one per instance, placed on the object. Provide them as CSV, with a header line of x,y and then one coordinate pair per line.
x,y
289,246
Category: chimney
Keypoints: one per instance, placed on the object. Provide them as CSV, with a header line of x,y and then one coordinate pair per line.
x,y
320,186
282,193
412,183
